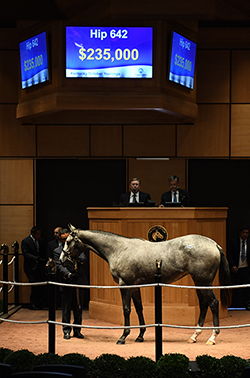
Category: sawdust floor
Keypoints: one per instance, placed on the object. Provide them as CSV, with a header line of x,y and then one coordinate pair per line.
x,y
34,337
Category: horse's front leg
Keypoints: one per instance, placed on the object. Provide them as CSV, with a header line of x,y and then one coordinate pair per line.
x,y
136,296
126,303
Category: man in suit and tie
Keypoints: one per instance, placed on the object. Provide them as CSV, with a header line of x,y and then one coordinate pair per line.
x,y
71,272
134,196
175,194
53,244
238,256
34,253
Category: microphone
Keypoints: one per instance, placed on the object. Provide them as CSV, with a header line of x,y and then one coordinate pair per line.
x,y
134,190
182,197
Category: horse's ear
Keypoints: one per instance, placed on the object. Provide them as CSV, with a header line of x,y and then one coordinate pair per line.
x,y
71,228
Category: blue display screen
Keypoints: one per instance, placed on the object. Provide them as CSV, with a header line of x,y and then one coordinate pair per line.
x,y
34,60
182,61
109,52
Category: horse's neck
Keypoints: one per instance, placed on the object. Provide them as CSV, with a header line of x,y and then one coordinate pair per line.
x,y
99,242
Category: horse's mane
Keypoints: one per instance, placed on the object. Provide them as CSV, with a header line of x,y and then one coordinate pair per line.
x,y
111,233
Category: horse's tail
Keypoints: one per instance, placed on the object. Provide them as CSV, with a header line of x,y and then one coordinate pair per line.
x,y
224,279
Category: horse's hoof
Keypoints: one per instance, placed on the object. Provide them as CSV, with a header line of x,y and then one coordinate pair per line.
x,y
191,341
139,339
120,342
210,342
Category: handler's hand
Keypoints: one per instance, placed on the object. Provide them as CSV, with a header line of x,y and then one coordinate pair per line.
x,y
234,269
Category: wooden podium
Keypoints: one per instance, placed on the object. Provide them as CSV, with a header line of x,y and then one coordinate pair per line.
x,y
180,306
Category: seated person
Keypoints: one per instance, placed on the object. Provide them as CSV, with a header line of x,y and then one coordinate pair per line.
x,y
134,196
175,194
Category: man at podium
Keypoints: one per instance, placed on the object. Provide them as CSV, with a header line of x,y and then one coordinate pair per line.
x,y
134,197
175,195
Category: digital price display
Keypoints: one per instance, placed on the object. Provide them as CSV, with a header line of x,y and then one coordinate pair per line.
x,y
34,60
182,61
109,52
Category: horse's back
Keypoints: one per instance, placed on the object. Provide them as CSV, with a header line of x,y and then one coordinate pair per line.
x,y
196,255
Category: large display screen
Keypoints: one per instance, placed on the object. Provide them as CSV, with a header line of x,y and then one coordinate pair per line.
x,y
34,60
109,52
182,61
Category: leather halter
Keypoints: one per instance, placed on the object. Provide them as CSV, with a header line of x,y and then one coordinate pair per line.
x,y
70,253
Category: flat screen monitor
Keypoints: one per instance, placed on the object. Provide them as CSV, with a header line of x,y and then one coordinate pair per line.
x,y
182,61
109,52
172,204
34,60
137,204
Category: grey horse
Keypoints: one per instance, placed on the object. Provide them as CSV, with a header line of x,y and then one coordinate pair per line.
x,y
132,261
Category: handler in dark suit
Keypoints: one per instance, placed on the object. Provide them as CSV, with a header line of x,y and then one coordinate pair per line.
x,y
34,252
175,194
53,244
134,196
72,297
238,256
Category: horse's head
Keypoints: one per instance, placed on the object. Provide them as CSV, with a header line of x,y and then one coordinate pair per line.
x,y
73,246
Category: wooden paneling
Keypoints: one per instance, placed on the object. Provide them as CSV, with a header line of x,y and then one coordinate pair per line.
x,y
224,38
16,139
103,274
15,225
63,140
209,136
24,291
240,131
8,76
106,140
11,277
240,76
16,184
213,76
154,175
178,303
149,140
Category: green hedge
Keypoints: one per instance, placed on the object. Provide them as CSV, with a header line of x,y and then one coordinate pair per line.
x,y
173,365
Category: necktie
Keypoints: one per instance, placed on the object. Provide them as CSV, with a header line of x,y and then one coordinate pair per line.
x,y
243,251
175,199
134,199
36,245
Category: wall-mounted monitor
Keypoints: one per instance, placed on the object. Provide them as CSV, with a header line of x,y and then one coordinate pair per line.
x,y
182,61
34,60
109,52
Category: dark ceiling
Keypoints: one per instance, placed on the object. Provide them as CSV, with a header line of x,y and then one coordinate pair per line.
x,y
198,10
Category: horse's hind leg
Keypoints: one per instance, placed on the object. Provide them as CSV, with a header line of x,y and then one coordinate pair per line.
x,y
203,311
207,298
214,306
126,303
136,296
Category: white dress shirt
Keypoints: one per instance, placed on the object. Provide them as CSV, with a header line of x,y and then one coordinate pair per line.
x,y
131,199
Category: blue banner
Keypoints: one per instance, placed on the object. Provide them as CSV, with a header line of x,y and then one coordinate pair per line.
x,y
182,61
109,52
34,60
